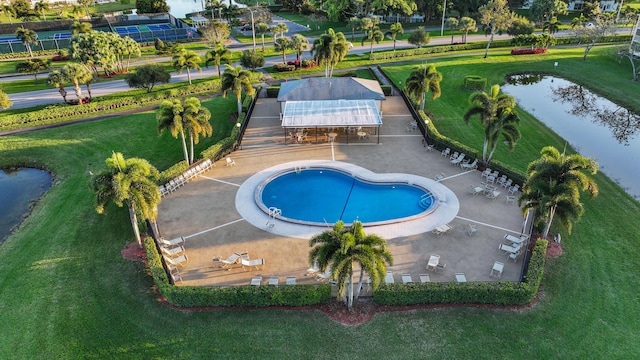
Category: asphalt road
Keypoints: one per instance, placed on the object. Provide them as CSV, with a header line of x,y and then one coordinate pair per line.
x,y
51,96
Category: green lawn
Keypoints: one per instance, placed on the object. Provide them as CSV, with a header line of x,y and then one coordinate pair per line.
x,y
67,293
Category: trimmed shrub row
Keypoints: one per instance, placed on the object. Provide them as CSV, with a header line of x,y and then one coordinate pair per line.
x,y
192,296
528,51
279,67
61,113
272,91
498,293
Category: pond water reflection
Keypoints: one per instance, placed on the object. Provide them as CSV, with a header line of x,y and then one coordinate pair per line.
x,y
594,126
19,189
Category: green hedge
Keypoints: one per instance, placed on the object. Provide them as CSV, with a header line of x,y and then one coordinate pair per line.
x,y
272,91
475,82
498,293
63,112
246,101
198,296
173,172
25,54
386,89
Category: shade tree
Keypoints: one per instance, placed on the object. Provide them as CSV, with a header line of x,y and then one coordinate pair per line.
x,y
147,76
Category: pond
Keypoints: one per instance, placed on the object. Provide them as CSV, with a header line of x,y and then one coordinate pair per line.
x,y
593,125
179,8
20,189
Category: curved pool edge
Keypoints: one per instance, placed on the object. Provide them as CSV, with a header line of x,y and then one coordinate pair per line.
x,y
446,210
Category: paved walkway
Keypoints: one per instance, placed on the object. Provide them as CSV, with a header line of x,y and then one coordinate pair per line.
x,y
204,211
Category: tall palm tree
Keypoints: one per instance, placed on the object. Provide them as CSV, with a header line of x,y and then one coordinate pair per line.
x,y
505,124
128,181
489,107
262,29
77,74
79,27
395,30
170,117
41,7
283,44
57,79
452,24
465,25
353,25
422,79
218,56
33,66
27,37
329,49
278,30
196,120
299,43
341,247
373,34
235,79
553,184
186,60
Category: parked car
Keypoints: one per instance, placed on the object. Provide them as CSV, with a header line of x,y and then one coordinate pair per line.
x,y
246,27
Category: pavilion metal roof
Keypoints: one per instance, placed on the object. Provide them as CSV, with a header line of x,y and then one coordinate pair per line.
x,y
345,88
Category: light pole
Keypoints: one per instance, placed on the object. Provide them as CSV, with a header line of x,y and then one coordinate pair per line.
x,y
238,126
426,132
444,9
253,29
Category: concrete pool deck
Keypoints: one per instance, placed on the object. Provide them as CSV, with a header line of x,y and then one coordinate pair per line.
x,y
204,210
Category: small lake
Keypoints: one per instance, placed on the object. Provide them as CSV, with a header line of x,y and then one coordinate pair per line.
x,y
179,8
19,190
592,125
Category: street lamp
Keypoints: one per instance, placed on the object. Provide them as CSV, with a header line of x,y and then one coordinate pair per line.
x,y
444,8
238,126
426,132
253,29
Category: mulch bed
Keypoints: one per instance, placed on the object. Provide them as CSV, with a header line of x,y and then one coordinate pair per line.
x,y
363,309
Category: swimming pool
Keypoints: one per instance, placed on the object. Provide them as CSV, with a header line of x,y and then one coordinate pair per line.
x,y
321,196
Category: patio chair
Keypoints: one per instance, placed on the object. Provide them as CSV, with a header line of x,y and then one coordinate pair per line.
x,y
496,270
507,184
256,281
510,199
433,262
454,155
252,263
291,280
445,152
439,177
514,256
502,179
514,189
173,242
233,259
177,261
470,166
472,229
493,195
485,173
230,162
440,267
460,278
174,273
172,251
458,160
406,279
274,280
424,278
312,270
325,276
388,279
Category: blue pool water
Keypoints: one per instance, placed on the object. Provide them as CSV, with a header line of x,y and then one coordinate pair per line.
x,y
323,196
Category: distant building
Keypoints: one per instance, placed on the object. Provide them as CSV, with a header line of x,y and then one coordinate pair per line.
x,y
578,5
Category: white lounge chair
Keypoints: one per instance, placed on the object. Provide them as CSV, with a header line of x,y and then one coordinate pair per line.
x,y
251,263
173,242
460,278
388,279
424,278
233,259
291,280
515,240
172,251
470,166
274,280
177,261
230,162
406,279
458,160
326,275
256,281
433,262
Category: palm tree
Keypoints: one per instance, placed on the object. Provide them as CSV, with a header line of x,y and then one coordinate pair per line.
x,y
396,29
489,108
262,28
283,44
127,181
452,23
169,117
373,34
41,7
186,59
77,74
79,27
57,79
33,66
218,56
465,25
353,25
552,25
299,43
196,119
422,79
329,49
236,80
505,124
27,37
553,184
341,247
278,30
10,11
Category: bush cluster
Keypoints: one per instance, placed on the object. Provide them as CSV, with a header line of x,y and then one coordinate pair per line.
x,y
474,82
63,113
191,296
498,293
528,51
279,67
